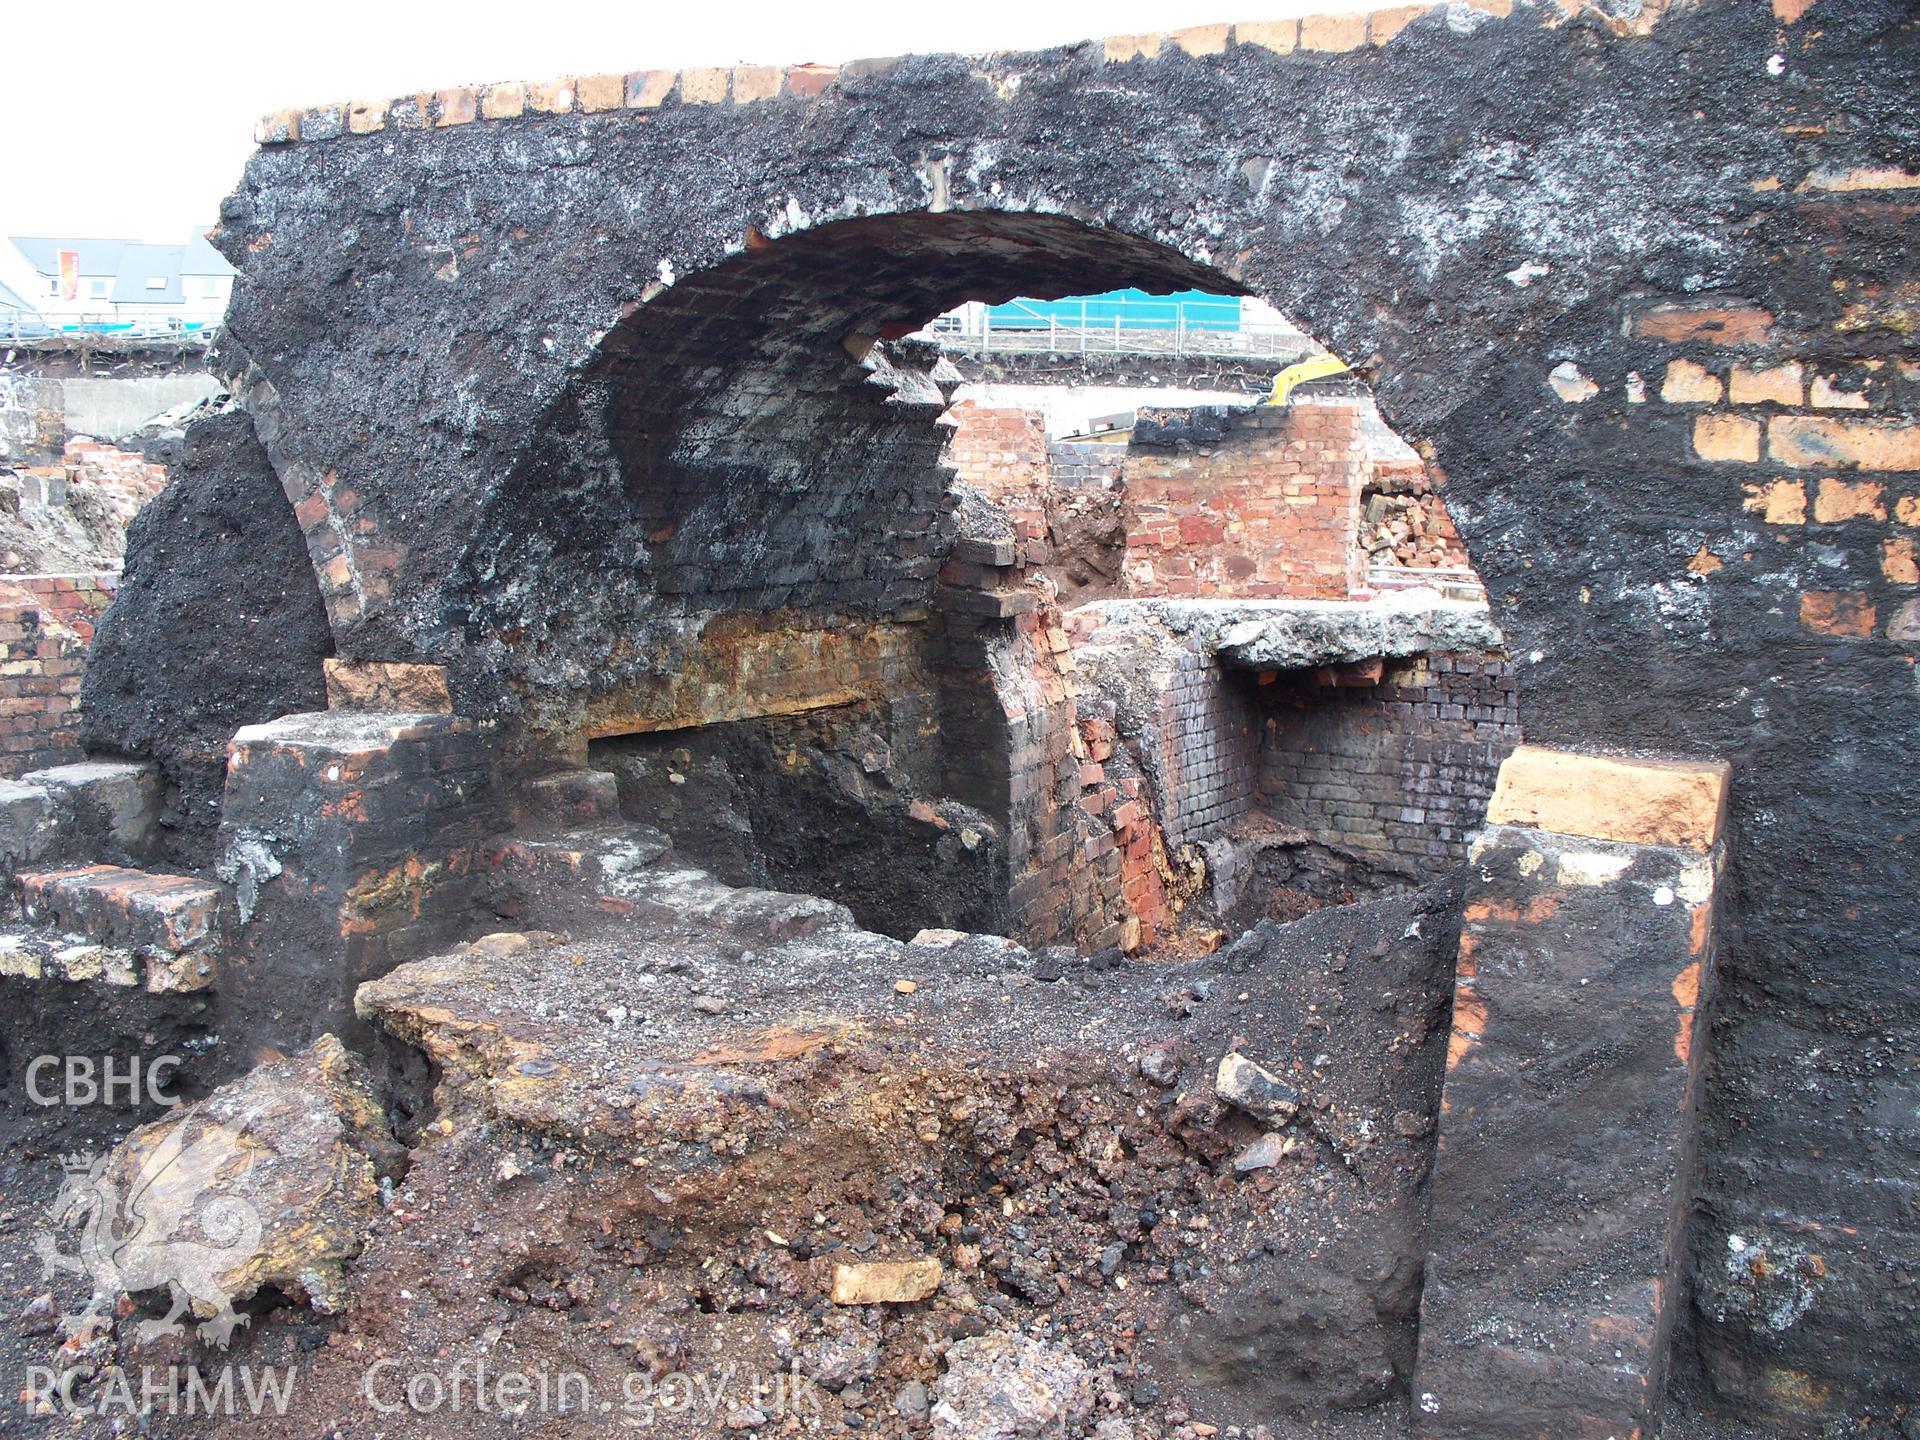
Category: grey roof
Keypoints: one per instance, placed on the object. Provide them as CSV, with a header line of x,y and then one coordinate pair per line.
x,y
200,258
11,301
97,257
141,263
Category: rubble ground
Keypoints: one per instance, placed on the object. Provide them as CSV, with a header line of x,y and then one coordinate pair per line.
x,y
655,1137
655,1149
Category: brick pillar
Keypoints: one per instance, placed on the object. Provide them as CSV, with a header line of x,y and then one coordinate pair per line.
x,y
1567,1121
351,839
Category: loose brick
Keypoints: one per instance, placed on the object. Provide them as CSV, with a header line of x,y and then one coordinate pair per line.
x,y
1636,802
386,686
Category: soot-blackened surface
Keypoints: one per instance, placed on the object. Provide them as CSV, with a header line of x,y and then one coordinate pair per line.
x,y
421,300
218,623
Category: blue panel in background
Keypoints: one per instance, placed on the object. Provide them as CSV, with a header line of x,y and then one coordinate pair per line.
x,y
1134,309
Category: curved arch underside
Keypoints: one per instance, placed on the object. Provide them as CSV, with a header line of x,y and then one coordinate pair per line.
x,y
748,440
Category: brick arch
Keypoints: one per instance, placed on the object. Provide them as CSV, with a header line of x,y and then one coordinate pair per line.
x,y
1646,299
749,441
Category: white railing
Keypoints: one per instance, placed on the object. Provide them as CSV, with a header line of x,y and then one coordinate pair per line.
x,y
1166,327
19,325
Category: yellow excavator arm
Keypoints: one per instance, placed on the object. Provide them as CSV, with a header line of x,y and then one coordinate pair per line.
x,y
1317,368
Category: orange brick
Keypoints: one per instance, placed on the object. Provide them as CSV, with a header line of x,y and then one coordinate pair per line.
x,y
755,82
1810,441
1779,384
1689,384
1839,500
707,86
1866,177
1778,502
280,128
1383,25
1202,39
1634,802
1829,396
601,92
503,102
366,116
551,97
1726,437
1900,561
647,88
1907,510
1716,325
1832,612
810,80
1128,47
1333,32
457,107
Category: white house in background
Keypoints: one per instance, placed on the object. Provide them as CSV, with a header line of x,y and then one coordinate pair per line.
x,y
32,266
74,281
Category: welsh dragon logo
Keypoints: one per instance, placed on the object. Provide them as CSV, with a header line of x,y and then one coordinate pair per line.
x,y
150,1223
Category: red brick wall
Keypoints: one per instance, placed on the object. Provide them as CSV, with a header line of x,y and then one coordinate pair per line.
x,y
1003,454
127,476
1260,502
46,625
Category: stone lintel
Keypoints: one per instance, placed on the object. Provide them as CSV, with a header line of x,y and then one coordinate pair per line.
x,y
1633,801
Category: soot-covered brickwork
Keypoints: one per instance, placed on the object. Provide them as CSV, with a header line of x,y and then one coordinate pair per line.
x,y
1401,766
537,386
223,627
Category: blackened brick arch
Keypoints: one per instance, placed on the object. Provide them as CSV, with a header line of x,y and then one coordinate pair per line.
x,y
1639,279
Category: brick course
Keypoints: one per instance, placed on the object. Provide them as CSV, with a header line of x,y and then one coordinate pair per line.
x,y
46,625
1402,768
1260,502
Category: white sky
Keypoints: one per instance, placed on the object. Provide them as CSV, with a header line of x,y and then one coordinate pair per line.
x,y
133,118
